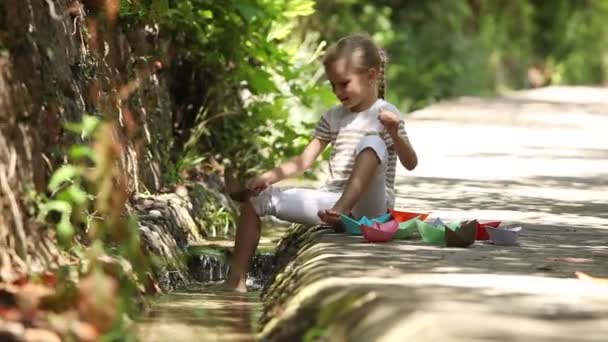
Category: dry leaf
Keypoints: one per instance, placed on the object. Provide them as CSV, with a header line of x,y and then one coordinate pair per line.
x,y
98,300
585,277
40,335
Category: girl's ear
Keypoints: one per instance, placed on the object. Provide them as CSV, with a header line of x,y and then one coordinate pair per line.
x,y
372,73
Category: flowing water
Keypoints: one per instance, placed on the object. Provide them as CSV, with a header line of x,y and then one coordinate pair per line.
x,y
201,312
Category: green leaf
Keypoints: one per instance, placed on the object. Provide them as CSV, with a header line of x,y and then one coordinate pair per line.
x,y
63,174
84,128
76,194
296,8
65,230
248,10
78,152
61,206
261,82
206,14
89,124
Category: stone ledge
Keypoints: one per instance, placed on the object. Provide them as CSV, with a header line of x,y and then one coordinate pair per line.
x,y
329,285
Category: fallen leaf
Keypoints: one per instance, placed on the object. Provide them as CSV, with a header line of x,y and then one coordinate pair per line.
x,y
85,331
29,297
98,300
585,277
578,260
40,335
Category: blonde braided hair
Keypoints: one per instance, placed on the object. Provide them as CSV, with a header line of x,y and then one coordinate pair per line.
x,y
381,73
360,52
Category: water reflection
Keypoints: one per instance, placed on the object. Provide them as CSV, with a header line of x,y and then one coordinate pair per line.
x,y
201,313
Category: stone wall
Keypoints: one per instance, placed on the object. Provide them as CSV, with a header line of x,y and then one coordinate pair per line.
x,y
59,60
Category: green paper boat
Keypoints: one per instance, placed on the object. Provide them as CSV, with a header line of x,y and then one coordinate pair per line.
x,y
454,225
407,229
431,233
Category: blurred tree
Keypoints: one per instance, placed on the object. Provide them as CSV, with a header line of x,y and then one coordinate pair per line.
x,y
441,48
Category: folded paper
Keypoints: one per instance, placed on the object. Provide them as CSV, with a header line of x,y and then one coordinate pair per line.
x,y
506,236
353,227
402,216
380,232
461,235
431,233
407,229
482,234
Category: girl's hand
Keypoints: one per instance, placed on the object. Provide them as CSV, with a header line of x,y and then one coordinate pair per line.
x,y
390,121
258,184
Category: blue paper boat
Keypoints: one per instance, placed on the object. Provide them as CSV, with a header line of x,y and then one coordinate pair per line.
x,y
353,227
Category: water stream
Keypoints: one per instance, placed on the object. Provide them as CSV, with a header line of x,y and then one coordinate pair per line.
x,y
201,312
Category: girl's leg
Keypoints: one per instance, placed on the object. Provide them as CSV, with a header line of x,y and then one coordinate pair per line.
x,y
290,204
366,187
298,205
245,244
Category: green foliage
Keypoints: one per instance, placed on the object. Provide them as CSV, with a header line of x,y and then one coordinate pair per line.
x,y
574,38
441,48
215,218
256,80
68,197
86,196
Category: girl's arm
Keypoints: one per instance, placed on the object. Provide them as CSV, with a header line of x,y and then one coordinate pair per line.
x,y
405,151
291,167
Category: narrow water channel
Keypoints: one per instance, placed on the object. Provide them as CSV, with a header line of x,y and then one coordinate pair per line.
x,y
201,312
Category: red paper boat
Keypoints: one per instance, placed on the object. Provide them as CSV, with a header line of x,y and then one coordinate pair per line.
x,y
376,234
482,234
402,216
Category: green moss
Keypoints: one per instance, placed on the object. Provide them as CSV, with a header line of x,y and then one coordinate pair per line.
x,y
333,308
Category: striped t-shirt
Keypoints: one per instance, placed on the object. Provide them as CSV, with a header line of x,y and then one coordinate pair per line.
x,y
344,130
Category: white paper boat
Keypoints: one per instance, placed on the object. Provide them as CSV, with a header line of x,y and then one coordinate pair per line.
x,y
506,236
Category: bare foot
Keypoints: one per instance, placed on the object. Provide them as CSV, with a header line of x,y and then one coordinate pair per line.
x,y
332,218
234,286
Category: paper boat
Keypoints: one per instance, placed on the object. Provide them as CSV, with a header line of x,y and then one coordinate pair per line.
x,y
383,218
437,222
390,226
454,225
379,232
462,236
353,227
504,236
407,229
482,234
402,216
431,233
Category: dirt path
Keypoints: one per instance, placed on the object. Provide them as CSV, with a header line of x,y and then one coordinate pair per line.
x,y
536,158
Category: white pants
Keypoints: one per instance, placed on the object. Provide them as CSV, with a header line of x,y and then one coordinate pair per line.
x,y
300,205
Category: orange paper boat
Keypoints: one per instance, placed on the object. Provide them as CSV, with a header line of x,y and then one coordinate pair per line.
x,y
402,216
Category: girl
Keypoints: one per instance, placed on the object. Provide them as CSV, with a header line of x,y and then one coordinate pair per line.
x,y
367,135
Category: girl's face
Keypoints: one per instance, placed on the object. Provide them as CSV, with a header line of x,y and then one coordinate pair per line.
x,y
355,90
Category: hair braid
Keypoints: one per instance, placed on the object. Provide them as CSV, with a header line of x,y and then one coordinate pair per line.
x,y
381,73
